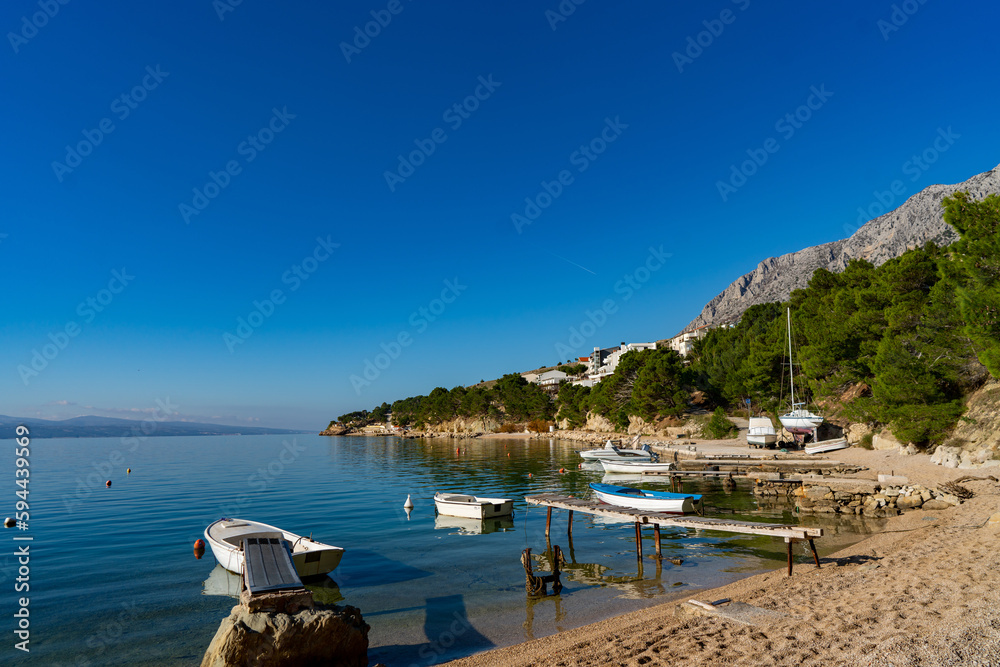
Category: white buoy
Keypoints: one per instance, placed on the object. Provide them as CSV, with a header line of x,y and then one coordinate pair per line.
x,y
408,505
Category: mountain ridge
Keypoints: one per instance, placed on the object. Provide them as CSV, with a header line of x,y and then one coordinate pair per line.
x,y
917,220
93,426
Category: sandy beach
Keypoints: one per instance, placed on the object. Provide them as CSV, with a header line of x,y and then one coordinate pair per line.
x,y
925,591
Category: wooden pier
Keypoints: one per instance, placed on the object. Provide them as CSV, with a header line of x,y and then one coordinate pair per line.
x,y
791,534
270,582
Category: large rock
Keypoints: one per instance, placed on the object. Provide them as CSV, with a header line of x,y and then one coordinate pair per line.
x,y
909,502
857,431
936,505
335,636
949,457
886,440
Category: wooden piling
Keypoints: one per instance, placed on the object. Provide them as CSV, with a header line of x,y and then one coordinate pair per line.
x,y
815,555
569,524
638,540
788,542
656,532
548,522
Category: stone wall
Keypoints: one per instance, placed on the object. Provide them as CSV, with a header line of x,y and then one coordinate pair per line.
x,y
818,495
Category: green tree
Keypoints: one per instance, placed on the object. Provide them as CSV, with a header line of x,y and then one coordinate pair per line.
x,y
660,385
974,271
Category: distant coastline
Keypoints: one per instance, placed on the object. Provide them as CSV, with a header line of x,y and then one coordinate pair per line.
x,y
109,427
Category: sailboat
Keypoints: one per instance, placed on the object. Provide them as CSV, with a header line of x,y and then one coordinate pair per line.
x,y
799,420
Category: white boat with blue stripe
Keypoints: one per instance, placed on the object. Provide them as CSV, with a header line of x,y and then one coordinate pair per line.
x,y
652,501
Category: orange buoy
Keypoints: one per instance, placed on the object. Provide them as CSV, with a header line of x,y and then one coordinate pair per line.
x,y
128,471
508,453
108,484
529,474
199,544
199,549
562,469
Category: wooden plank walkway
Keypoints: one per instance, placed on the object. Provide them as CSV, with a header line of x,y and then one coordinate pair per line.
x,y
791,534
268,565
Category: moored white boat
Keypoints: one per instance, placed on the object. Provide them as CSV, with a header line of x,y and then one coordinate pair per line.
x,y
629,467
225,538
652,501
761,432
472,507
609,451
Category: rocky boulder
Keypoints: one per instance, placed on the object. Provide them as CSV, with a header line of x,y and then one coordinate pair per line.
x,y
330,635
949,457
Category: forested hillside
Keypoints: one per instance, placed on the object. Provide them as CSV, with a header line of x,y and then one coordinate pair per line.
x,y
900,345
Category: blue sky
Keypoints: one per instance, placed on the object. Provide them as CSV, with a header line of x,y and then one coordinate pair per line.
x,y
468,182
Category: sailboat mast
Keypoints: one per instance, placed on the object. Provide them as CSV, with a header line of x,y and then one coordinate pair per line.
x,y
791,368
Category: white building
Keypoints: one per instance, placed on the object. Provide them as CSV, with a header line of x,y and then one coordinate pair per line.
x,y
603,362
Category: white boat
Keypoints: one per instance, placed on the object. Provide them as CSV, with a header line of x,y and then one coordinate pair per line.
x,y
798,420
652,501
826,446
628,467
472,507
761,432
609,451
225,538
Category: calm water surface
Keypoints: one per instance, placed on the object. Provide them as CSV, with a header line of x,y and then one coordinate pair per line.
x,y
114,580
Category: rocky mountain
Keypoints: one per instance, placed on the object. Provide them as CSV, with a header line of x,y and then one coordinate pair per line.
x,y
918,220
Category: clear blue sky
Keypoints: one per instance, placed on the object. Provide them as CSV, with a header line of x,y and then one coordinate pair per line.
x,y
309,128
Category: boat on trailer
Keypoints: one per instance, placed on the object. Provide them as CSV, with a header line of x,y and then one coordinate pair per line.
x,y
472,507
311,559
652,501
798,421
761,432
629,467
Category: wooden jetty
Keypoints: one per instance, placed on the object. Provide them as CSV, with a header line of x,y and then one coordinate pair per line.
x,y
270,582
791,534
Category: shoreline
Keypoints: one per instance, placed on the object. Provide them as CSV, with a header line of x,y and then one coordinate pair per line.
x,y
923,591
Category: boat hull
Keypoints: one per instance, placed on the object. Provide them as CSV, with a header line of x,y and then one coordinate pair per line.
x,y
651,501
634,467
617,454
311,559
826,446
799,423
472,507
761,432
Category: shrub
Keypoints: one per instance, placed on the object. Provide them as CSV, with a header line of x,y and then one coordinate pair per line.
x,y
510,428
866,441
540,426
719,427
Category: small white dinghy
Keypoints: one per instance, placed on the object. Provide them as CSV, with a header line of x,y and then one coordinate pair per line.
x,y
628,467
472,507
225,538
826,446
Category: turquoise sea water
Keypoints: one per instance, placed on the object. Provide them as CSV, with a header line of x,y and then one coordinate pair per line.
x,y
113,578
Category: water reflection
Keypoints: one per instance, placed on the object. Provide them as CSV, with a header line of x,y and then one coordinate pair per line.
x,y
464,526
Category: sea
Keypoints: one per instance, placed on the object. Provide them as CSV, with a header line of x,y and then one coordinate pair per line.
x,y
112,577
